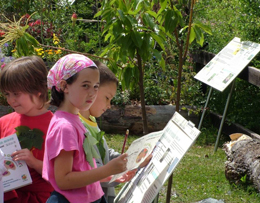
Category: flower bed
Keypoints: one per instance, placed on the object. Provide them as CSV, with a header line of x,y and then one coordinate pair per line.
x,y
3,58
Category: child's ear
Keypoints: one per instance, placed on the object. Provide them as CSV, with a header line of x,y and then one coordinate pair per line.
x,y
63,86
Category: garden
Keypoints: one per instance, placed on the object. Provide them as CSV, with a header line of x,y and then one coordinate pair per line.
x,y
150,46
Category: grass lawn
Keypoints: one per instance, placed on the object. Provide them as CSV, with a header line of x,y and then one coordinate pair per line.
x,y
199,175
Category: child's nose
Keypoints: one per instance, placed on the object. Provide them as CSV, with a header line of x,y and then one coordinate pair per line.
x,y
93,92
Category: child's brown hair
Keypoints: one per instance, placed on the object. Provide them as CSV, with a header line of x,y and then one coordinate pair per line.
x,y
25,74
106,75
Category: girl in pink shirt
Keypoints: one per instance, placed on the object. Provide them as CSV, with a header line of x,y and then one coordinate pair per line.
x,y
68,162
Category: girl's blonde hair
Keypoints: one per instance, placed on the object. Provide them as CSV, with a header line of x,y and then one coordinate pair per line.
x,y
26,74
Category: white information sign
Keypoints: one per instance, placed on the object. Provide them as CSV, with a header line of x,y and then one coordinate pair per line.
x,y
228,63
174,141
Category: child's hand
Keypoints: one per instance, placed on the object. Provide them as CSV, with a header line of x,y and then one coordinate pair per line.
x,y
117,165
127,176
25,155
146,161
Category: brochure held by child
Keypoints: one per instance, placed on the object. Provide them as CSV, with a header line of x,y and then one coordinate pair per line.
x,y
17,174
168,147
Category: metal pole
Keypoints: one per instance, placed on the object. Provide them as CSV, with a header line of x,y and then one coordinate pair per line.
x,y
205,108
224,116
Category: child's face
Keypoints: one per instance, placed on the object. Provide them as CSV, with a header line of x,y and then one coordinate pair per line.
x,y
24,103
81,94
102,103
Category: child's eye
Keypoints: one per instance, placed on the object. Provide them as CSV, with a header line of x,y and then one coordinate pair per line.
x,y
16,93
6,94
96,86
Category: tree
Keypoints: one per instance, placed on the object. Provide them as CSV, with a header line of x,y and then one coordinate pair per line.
x,y
134,28
133,34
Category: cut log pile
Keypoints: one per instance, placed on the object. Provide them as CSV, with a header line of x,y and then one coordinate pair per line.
x,y
243,160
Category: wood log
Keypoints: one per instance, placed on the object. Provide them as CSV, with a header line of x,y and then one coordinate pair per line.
x,y
119,119
243,161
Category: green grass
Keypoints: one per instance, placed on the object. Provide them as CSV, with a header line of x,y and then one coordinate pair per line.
x,y
200,174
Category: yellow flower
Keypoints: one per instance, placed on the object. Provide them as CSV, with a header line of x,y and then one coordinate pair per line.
x,y
58,51
39,51
14,50
50,52
55,39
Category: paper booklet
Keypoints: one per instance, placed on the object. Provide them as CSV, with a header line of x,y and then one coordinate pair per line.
x,y
17,174
228,63
168,147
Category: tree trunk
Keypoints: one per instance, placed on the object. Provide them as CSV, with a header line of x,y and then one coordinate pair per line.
x,y
243,161
141,86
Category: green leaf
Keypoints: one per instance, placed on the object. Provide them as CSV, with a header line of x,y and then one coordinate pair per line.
x,y
137,4
132,21
99,13
158,39
117,28
192,35
122,5
105,13
145,49
90,152
127,76
100,145
107,36
148,21
184,28
137,39
199,35
162,63
29,138
127,41
105,50
205,28
132,50
163,5
31,39
152,13
171,21
121,15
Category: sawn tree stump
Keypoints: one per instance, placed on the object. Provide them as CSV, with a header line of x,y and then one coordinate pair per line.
x,y
243,160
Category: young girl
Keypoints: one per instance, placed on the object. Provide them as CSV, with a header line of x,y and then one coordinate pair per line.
x,y
23,82
74,81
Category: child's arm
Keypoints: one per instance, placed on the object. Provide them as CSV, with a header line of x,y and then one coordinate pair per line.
x,y
27,156
68,179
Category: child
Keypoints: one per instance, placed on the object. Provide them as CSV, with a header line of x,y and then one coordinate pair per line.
x,y
74,81
23,82
107,90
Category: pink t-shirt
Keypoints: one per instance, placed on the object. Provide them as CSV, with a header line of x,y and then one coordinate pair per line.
x,y
66,132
